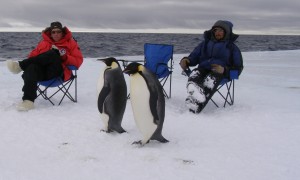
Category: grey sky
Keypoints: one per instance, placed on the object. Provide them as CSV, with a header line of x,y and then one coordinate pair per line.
x,y
188,16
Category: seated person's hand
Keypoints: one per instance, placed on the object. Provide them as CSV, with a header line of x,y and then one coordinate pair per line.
x,y
61,53
216,68
184,63
54,47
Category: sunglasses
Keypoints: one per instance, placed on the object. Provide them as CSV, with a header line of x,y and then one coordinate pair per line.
x,y
56,32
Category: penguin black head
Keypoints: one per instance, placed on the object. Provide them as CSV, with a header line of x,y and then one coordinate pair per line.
x,y
133,68
109,61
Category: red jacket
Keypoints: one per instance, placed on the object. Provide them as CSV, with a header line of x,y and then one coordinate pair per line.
x,y
73,54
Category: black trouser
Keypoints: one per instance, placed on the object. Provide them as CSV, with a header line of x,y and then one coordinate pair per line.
x,y
39,68
199,76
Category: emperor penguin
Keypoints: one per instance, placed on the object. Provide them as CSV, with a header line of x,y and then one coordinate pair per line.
x,y
147,101
112,95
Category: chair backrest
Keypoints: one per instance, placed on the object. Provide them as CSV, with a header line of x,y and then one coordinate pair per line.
x,y
157,57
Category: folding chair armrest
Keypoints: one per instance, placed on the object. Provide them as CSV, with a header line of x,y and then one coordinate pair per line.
x,y
164,64
72,67
161,64
234,74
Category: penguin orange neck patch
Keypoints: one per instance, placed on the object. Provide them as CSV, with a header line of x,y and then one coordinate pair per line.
x,y
141,68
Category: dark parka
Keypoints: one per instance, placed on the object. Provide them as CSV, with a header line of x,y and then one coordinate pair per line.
x,y
223,52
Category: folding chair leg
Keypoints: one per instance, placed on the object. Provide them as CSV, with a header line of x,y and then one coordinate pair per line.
x,y
66,93
75,78
163,82
170,91
64,88
230,95
43,93
214,102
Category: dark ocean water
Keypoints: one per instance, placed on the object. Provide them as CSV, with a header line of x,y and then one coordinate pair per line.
x,y
95,45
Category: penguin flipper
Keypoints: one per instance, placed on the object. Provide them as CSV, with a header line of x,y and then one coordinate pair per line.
x,y
153,105
102,96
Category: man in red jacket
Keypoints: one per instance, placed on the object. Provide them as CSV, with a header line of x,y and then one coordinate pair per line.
x,y
49,59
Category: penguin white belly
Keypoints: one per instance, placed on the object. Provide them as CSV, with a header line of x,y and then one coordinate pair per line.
x,y
103,116
100,82
139,96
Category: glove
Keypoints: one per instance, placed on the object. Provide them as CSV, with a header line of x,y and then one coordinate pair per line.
x,y
184,63
55,48
59,52
217,68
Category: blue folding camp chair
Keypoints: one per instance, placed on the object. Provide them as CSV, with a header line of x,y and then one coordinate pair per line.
x,y
63,87
159,60
227,93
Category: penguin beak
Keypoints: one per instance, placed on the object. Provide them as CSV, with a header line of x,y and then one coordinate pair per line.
x,y
126,71
102,60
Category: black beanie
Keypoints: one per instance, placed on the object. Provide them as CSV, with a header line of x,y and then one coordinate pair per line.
x,y
55,25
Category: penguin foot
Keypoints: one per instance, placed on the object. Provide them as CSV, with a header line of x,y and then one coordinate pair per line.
x,y
107,131
137,142
163,140
120,130
140,142
160,139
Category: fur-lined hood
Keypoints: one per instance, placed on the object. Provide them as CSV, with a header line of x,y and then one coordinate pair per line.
x,y
67,35
226,26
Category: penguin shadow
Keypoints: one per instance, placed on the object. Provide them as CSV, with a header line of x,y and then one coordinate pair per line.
x,y
293,87
185,161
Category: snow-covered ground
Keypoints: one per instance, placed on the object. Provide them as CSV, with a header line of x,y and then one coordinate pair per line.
x,y
256,139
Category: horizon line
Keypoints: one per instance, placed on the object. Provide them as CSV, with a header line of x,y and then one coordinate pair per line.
x,y
150,31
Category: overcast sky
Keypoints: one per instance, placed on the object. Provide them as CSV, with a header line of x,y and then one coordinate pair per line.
x,y
186,16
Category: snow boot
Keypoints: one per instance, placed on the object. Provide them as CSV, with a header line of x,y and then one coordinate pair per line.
x,y
13,66
210,81
193,105
196,92
26,105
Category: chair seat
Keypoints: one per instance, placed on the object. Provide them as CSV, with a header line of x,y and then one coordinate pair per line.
x,y
161,70
52,82
225,80
62,86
